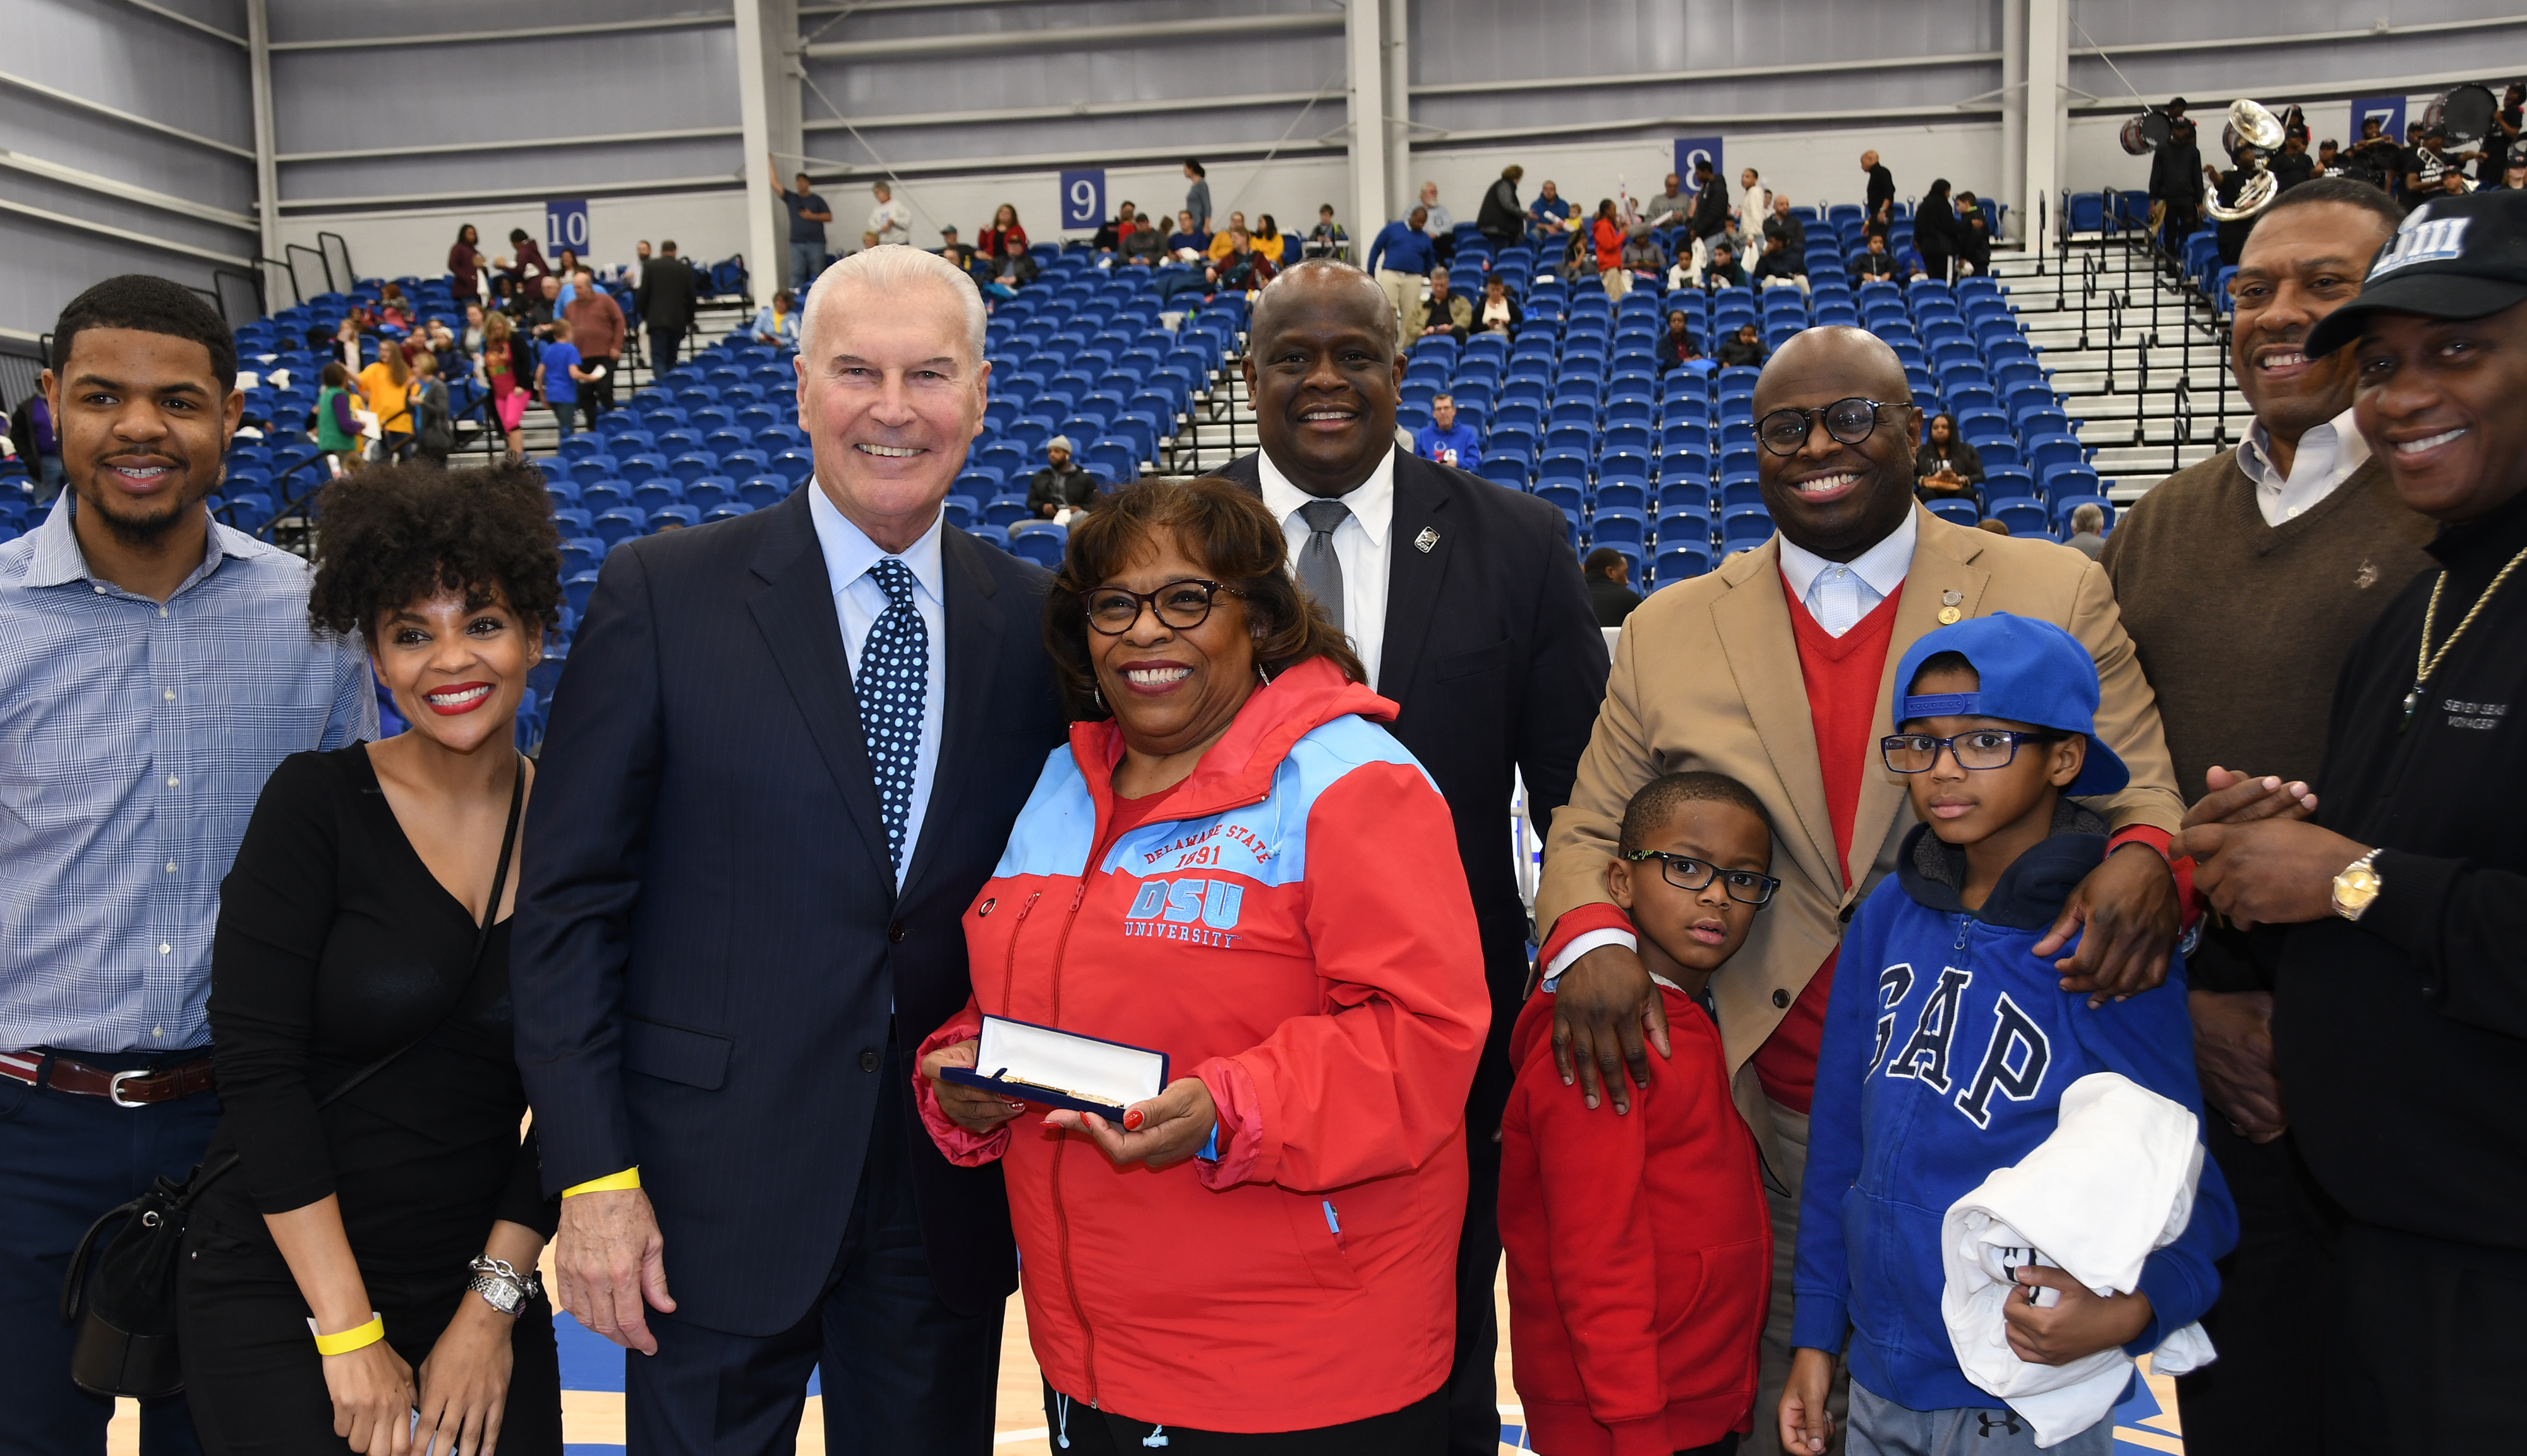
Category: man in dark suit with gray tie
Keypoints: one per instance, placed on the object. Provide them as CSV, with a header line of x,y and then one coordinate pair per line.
x,y
1466,602
788,750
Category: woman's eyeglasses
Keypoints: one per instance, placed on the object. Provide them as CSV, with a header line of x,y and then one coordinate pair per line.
x,y
1849,421
1984,748
1685,872
1180,604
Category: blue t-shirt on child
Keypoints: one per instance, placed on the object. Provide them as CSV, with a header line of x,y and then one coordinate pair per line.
x,y
559,359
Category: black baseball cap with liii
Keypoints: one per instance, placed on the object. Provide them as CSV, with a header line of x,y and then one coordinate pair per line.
x,y
2453,258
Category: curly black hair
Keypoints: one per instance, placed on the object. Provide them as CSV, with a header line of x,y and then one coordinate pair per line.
x,y
394,535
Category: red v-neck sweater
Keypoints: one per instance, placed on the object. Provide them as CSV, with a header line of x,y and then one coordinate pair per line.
x,y
1841,674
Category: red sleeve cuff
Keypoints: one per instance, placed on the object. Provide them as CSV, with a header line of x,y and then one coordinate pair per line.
x,y
2190,908
961,1147
1578,920
1240,1114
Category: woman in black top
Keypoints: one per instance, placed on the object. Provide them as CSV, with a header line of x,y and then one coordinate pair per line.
x,y
1934,230
361,928
1945,468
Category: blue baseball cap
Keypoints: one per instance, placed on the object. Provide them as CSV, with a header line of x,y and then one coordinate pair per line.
x,y
2032,672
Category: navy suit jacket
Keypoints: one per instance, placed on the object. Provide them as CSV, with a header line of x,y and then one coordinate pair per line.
x,y
708,936
1493,654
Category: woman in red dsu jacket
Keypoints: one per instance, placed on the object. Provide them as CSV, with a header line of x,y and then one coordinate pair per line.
x,y
1243,870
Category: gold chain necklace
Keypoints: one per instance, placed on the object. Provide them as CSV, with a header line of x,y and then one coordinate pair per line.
x,y
2426,661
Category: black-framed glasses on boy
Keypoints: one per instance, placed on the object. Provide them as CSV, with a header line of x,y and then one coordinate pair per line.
x,y
1983,748
1181,604
1784,431
1685,872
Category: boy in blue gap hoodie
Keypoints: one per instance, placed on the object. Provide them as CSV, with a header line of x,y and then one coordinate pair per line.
x,y
1947,1047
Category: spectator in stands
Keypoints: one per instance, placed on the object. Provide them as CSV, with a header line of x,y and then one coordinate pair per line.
x,y
889,218
1605,243
1063,485
31,430
508,368
566,268
1908,262
471,340
1880,203
777,322
2427,163
1744,349
1754,204
1013,269
1444,312
2087,530
1326,240
1710,220
2513,173
2374,157
433,417
386,385
1643,258
993,242
1722,271
394,311
1270,242
2232,234
559,379
1145,245
1501,219
1779,266
2300,522
639,270
1935,231
1499,311
1671,208
1439,224
1112,233
546,307
867,240
1197,198
1824,599
2293,165
667,299
1239,267
1945,467
1973,235
596,325
1610,586
1992,524
1219,240
2175,177
337,430
504,294
465,262
1789,227
529,266
1188,242
1676,345
1400,259
2329,159
1549,215
1447,438
1874,260
808,214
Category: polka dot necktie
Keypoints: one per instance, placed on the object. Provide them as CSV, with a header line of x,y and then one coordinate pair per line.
x,y
894,683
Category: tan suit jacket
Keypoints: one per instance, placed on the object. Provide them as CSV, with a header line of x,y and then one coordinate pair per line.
x,y
1707,677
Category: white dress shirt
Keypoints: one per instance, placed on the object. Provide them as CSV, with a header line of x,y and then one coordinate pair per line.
x,y
2326,457
1837,595
1359,544
859,602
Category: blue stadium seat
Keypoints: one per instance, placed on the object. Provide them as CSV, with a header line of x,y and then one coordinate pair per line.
x,y
758,491
576,590
1962,512
1006,510
1618,526
1040,542
620,523
1742,526
729,512
1677,564
678,513
2023,518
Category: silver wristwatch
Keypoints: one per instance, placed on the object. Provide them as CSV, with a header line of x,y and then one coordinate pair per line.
x,y
501,1286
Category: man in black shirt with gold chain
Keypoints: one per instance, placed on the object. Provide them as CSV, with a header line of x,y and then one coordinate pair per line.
x,y
2401,1022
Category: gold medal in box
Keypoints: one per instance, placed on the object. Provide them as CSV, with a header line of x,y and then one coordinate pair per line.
x,y
1051,1068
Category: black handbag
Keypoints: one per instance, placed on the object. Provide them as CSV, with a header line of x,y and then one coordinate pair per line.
x,y
127,1312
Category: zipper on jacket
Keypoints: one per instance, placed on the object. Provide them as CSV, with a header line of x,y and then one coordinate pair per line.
x,y
1010,960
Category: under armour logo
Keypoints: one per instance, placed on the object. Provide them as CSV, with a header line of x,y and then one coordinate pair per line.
x,y
2007,1422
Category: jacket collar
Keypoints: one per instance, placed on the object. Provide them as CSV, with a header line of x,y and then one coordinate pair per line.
x,y
1238,769
2029,894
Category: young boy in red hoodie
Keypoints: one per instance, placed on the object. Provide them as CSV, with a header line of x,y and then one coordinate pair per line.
x,y
1639,1254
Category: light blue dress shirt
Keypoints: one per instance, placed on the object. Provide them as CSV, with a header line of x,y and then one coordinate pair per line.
x,y
134,740
859,602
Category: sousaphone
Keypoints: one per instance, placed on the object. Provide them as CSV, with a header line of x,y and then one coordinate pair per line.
x,y
2251,125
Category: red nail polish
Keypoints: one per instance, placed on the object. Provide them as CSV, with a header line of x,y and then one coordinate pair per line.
x,y
1132,1120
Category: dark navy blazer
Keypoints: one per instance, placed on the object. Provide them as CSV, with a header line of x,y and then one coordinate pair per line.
x,y
708,937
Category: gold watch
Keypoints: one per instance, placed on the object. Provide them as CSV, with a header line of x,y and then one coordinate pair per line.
x,y
2356,888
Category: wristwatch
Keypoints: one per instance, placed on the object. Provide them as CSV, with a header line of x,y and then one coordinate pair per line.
x,y
501,1286
2356,888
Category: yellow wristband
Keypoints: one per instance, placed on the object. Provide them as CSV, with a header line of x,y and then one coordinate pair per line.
x,y
357,1337
629,1177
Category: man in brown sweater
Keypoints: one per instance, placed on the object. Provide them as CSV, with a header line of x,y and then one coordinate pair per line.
x,y
597,331
2243,582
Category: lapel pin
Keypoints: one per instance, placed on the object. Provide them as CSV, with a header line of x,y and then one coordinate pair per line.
x,y
1426,540
1948,612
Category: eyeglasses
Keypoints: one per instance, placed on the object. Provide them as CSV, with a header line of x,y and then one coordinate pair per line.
x,y
1849,421
1984,748
1688,874
1180,604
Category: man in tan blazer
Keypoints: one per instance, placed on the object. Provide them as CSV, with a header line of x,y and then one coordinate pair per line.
x,y
1744,672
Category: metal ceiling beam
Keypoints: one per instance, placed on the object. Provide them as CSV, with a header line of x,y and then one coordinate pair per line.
x,y
1680,78
105,230
1081,37
112,187
1063,112
205,26
594,139
116,113
529,33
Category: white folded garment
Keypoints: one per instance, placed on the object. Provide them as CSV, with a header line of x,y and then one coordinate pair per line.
x,y
2114,1182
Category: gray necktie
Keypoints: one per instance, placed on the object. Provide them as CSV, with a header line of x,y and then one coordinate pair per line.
x,y
1319,570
